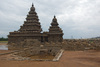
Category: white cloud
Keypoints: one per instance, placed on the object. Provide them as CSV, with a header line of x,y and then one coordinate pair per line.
x,y
77,18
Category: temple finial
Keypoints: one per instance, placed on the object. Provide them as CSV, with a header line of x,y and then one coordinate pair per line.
x,y
32,5
54,16
54,19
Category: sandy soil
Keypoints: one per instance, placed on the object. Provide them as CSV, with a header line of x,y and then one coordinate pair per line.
x,y
3,43
5,51
68,59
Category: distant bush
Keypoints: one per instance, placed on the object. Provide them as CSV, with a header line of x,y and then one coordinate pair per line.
x,y
3,39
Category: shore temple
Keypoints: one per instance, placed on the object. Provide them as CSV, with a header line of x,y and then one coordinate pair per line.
x,y
31,29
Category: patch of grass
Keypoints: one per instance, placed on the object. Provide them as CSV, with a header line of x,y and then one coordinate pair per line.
x,y
3,41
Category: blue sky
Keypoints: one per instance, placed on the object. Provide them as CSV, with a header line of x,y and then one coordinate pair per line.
x,y
77,18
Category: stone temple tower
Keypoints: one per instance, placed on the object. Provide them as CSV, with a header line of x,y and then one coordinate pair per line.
x,y
31,29
32,23
55,33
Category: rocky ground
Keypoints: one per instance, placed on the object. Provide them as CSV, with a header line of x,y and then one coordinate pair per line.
x,y
88,58
68,59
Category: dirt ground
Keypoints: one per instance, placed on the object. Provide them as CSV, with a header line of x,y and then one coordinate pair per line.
x,y
68,59
3,43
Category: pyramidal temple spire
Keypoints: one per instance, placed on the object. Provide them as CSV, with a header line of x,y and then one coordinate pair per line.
x,y
32,23
55,30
